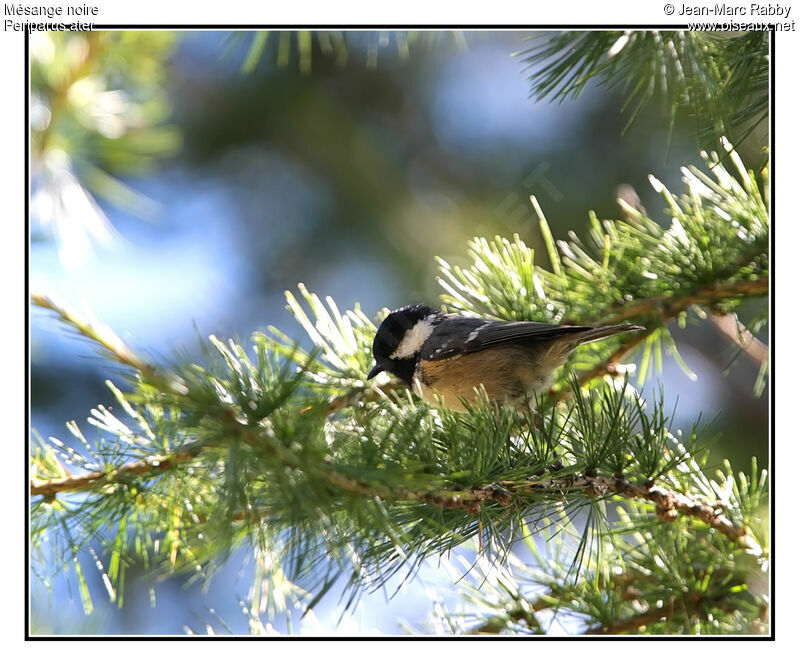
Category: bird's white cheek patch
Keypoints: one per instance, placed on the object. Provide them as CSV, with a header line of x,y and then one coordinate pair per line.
x,y
414,338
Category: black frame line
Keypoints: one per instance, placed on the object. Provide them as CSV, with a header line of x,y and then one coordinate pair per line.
x,y
373,27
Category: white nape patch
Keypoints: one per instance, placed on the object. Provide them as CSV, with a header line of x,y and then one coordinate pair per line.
x,y
414,338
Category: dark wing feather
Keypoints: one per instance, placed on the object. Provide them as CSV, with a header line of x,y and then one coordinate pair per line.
x,y
465,335
521,331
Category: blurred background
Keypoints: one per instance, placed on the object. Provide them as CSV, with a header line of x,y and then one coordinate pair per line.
x,y
182,181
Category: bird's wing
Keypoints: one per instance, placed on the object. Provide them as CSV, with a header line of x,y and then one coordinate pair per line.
x,y
465,335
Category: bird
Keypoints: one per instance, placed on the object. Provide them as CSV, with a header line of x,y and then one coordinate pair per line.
x,y
444,358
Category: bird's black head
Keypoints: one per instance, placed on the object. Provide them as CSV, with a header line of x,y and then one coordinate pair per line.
x,y
399,339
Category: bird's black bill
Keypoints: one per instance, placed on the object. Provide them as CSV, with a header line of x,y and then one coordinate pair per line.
x,y
376,370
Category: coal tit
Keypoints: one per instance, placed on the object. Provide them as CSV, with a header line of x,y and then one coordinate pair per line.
x,y
444,357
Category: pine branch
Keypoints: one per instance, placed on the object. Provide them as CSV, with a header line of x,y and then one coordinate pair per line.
x,y
659,581
527,616
667,308
633,623
714,255
98,333
263,449
151,465
608,366
722,79
668,503
303,46
343,477
692,604
467,500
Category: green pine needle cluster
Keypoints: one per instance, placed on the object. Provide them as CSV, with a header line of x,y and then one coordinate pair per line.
x,y
99,108
721,78
301,47
711,252
663,581
331,481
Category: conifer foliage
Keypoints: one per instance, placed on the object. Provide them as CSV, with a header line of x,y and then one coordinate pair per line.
x,y
281,447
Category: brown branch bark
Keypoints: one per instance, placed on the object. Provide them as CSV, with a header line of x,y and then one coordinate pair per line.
x,y
669,504
93,480
667,308
494,626
670,306
631,623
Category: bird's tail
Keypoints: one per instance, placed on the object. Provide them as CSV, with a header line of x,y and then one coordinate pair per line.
x,y
606,331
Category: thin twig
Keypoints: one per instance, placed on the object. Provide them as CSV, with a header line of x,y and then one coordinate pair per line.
x,y
97,332
608,366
